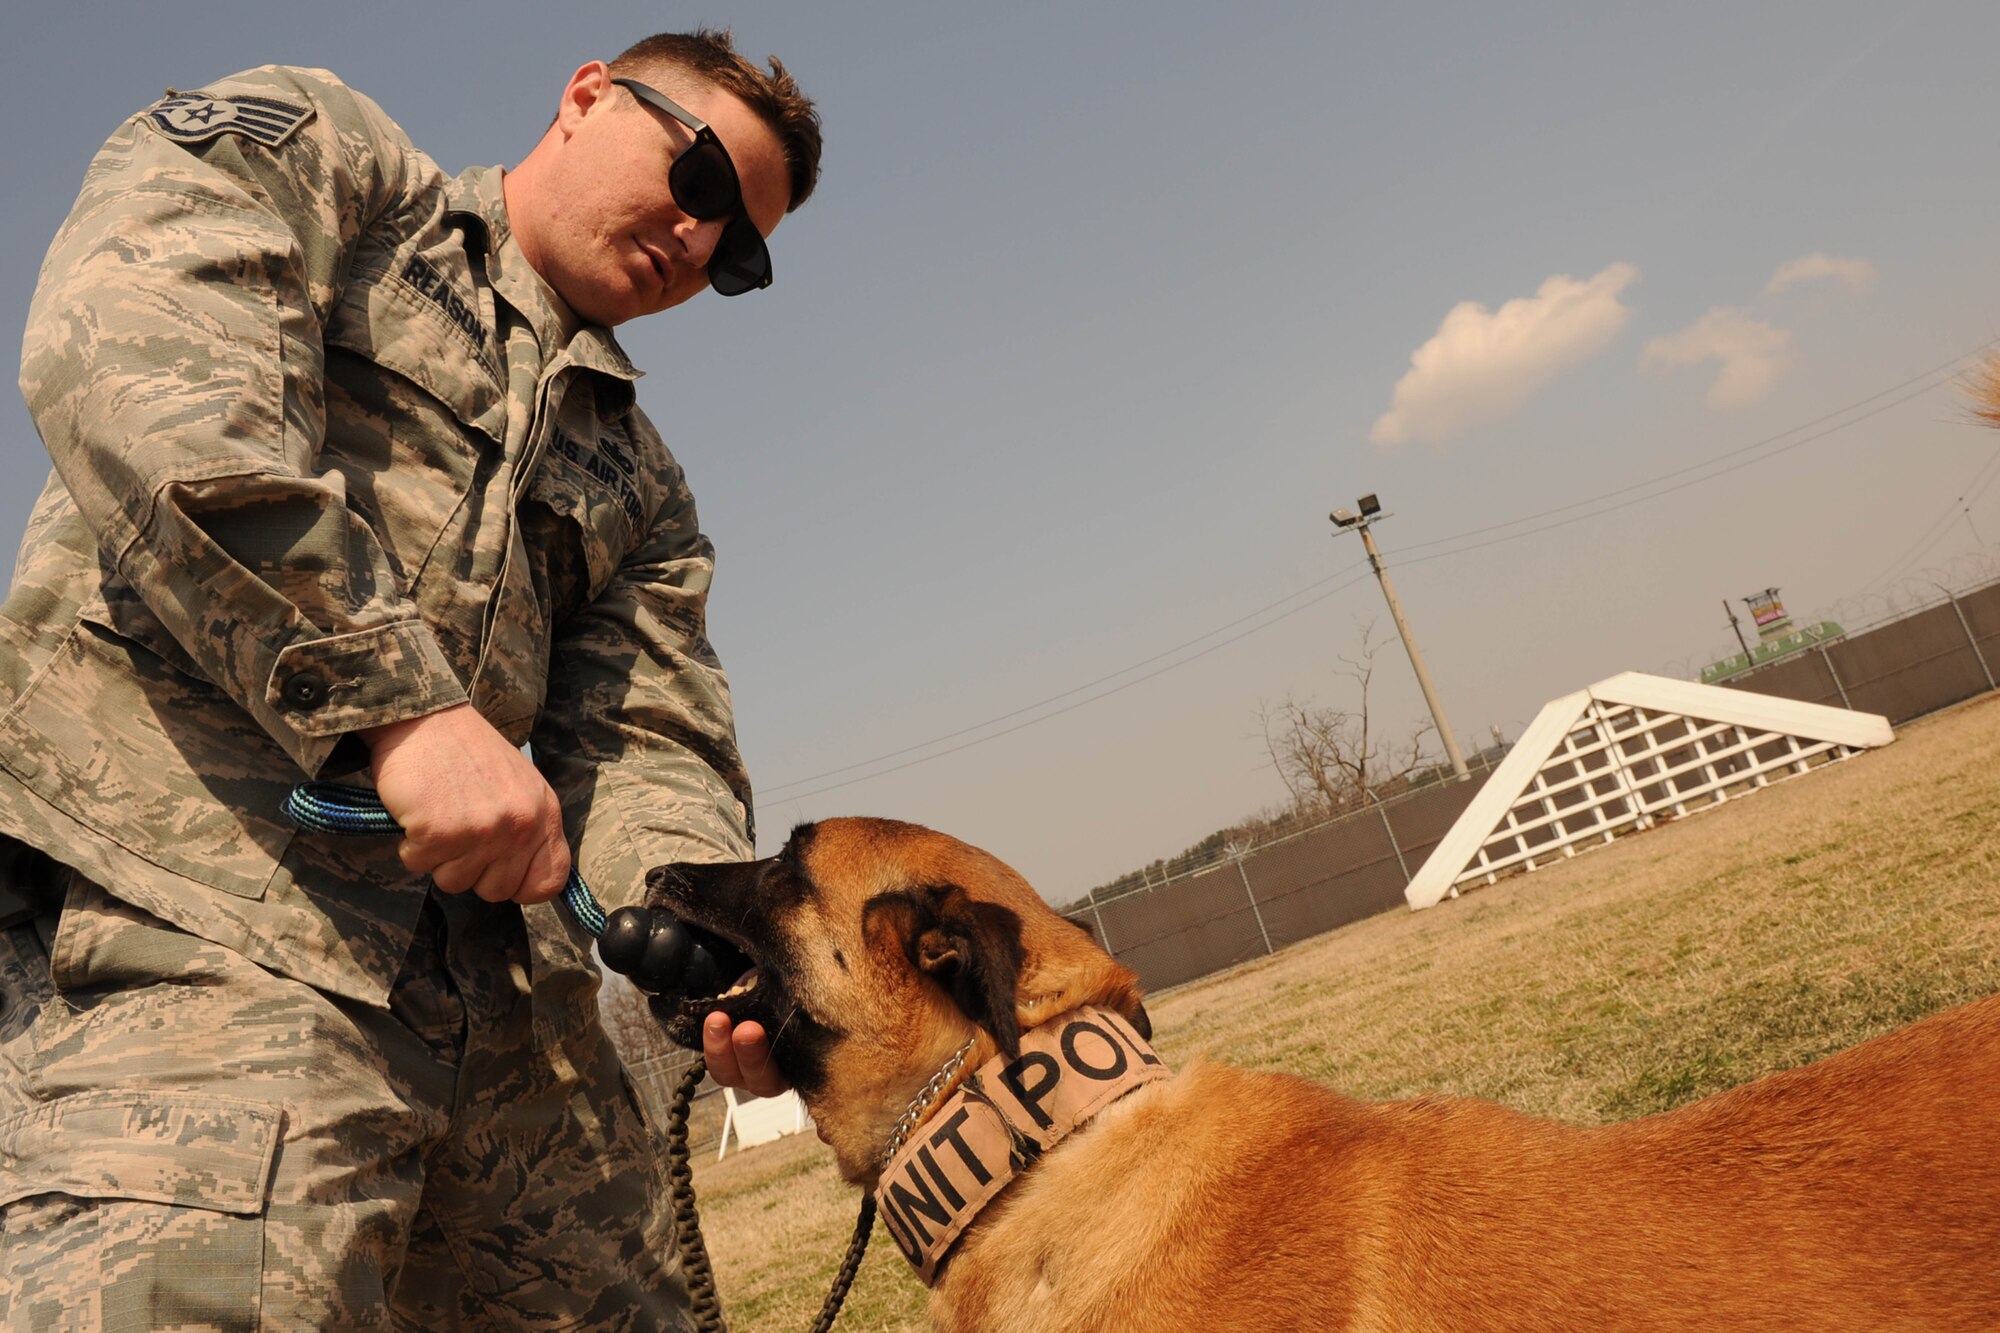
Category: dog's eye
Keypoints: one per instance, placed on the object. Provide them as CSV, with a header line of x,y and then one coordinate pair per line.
x,y
840,958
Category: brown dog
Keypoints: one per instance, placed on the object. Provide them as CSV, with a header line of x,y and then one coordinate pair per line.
x,y
1859,1193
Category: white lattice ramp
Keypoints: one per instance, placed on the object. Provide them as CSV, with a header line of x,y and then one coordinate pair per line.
x,y
1623,755
756,1120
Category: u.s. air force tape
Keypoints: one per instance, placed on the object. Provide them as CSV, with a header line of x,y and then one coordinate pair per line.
x,y
197,117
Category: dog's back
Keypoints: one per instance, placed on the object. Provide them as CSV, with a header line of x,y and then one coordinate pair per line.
x,y
1858,1193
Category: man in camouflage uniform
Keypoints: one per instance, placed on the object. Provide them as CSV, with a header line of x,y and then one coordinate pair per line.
x,y
350,483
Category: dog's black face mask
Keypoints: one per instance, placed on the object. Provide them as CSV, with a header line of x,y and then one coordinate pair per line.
x,y
711,940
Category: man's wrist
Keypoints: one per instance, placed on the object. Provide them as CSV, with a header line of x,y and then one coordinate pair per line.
x,y
386,735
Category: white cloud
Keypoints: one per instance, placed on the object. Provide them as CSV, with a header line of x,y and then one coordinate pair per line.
x,y
1483,364
1858,274
1753,354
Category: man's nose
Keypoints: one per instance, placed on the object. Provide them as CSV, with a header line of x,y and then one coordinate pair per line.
x,y
700,238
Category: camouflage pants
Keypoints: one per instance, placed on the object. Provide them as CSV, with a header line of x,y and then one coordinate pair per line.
x,y
188,1141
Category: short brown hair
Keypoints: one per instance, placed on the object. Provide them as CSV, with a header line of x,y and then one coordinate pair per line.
x,y
707,56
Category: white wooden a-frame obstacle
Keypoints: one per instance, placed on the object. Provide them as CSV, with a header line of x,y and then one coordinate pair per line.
x,y
758,1120
1621,756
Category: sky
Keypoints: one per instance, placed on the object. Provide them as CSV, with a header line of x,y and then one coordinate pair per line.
x,y
1019,473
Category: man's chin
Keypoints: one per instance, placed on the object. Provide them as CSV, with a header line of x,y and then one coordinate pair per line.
x,y
609,304
610,314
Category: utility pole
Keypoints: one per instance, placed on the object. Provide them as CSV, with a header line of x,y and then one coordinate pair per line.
x,y
1749,658
1371,510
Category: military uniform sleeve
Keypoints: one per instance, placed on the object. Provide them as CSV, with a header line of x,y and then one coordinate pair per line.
x,y
636,735
173,363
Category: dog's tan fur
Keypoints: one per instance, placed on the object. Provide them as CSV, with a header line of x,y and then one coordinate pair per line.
x,y
1859,1193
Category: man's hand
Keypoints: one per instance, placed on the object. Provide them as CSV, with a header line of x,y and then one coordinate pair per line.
x,y
475,813
739,1056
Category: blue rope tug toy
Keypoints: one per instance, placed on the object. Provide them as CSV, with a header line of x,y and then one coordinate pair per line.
x,y
326,807
660,953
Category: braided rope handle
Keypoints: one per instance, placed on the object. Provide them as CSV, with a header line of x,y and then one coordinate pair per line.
x,y
856,1248
704,1303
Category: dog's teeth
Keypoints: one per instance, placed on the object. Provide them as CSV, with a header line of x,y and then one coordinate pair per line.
x,y
743,985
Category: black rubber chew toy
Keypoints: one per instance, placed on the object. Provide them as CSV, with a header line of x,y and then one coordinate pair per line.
x,y
663,954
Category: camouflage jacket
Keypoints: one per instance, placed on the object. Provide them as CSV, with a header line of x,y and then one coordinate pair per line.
x,y
329,454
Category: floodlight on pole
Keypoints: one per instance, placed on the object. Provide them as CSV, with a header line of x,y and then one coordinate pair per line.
x,y
1371,511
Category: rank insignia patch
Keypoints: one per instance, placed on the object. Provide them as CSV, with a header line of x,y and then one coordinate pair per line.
x,y
195,117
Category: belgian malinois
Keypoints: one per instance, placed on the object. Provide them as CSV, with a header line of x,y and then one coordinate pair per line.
x,y
1050,1174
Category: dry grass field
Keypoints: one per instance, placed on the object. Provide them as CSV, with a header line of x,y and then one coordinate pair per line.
x,y
1652,972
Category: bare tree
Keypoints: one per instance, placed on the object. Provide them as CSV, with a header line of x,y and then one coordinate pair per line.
x,y
1332,759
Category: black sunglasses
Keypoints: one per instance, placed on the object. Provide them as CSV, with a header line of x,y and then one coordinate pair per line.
x,y
704,183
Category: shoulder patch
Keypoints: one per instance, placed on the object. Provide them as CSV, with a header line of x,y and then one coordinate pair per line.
x,y
196,117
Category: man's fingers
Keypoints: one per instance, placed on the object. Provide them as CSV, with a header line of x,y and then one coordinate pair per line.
x,y
497,879
495,873
498,885
521,858
548,871
720,1053
469,874
419,858
739,1056
753,1061
477,816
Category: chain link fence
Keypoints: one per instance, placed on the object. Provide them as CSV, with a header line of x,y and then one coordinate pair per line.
x,y
1916,664
1260,900
1282,892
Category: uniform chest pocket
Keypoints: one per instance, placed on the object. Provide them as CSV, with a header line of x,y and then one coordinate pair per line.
x,y
416,411
418,313
594,499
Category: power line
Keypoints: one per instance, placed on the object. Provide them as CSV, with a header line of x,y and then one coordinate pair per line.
x,y
1669,490
1704,468
1111,675
1070,708
1969,492
1938,369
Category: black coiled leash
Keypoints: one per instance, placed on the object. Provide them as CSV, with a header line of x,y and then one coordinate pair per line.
x,y
658,953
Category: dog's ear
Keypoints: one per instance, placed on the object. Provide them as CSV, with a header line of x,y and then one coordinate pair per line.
x,y
1142,1022
971,949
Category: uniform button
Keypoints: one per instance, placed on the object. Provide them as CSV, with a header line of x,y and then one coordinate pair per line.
x,y
305,690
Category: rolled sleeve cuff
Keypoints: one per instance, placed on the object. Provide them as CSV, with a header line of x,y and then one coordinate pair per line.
x,y
633,826
320,689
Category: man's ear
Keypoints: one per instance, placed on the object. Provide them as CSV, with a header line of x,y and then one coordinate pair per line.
x,y
587,87
973,950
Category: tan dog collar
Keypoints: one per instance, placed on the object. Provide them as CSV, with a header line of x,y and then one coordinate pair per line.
x,y
1001,1120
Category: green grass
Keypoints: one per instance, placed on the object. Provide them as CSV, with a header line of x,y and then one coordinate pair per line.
x,y
1665,967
